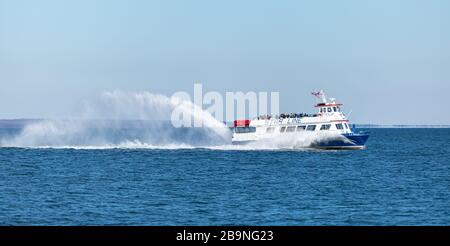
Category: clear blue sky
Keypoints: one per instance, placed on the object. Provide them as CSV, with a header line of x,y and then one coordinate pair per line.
x,y
388,61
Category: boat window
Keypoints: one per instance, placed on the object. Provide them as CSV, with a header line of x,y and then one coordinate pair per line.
x,y
325,127
346,126
311,128
329,110
248,129
282,129
301,128
270,129
339,126
290,129
334,109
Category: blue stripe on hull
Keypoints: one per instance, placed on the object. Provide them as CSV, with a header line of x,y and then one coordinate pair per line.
x,y
350,141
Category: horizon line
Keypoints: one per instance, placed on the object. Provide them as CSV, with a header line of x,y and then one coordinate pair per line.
x,y
368,125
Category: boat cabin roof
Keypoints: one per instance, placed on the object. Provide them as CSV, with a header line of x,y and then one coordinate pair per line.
x,y
327,104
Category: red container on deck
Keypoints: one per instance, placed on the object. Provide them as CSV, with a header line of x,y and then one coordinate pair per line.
x,y
241,123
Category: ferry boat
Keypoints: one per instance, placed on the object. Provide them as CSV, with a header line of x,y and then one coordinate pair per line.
x,y
329,127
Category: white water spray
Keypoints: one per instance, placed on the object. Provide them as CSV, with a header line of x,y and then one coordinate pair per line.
x,y
142,120
119,120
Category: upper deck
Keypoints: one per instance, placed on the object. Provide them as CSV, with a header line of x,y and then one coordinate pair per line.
x,y
328,111
329,116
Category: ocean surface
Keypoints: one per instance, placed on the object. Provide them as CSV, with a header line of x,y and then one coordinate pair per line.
x,y
402,178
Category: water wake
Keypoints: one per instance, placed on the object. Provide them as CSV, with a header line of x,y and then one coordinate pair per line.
x,y
285,141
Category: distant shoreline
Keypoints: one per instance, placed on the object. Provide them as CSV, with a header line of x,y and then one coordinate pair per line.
x,y
400,126
22,122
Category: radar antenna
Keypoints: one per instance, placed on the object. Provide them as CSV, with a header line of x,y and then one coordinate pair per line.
x,y
320,95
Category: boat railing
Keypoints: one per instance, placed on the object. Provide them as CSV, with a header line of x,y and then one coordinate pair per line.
x,y
286,116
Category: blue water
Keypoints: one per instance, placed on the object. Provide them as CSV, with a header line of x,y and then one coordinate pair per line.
x,y
402,178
